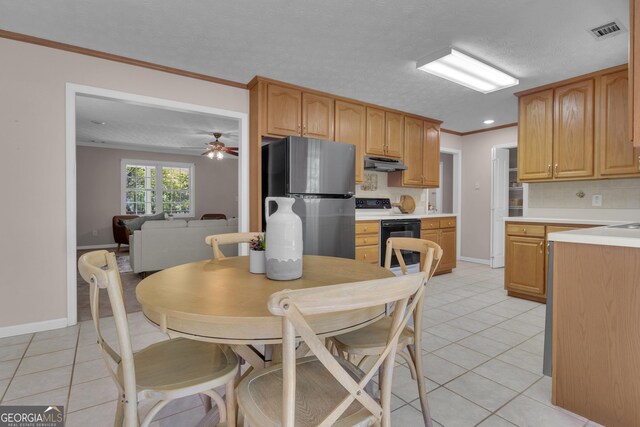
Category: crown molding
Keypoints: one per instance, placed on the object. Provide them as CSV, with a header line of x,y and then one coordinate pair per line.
x,y
116,58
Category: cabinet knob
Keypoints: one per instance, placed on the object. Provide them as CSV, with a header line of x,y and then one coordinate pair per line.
x,y
524,230
556,169
541,246
299,131
365,255
365,228
364,241
549,169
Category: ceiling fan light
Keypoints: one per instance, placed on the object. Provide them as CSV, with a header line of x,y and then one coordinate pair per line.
x,y
219,155
210,154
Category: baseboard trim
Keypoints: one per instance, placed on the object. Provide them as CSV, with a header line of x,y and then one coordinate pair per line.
x,y
475,260
108,245
29,328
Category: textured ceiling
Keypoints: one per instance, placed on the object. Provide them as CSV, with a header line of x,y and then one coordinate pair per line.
x,y
364,49
144,127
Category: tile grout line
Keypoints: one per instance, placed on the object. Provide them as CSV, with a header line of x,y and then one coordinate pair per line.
x,y
73,368
17,367
492,358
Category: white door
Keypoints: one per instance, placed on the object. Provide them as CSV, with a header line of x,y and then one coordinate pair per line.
x,y
499,204
439,207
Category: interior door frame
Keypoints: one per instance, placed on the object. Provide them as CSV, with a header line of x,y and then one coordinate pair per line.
x,y
457,193
525,197
73,90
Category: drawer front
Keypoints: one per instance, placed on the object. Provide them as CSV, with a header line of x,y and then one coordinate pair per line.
x,y
430,224
525,230
367,227
368,254
448,222
367,240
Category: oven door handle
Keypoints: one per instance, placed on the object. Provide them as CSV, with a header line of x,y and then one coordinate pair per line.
x,y
396,223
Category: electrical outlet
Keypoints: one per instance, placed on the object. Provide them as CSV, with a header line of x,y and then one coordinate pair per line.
x,y
477,186
596,200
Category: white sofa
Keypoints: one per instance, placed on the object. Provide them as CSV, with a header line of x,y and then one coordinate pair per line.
x,y
163,244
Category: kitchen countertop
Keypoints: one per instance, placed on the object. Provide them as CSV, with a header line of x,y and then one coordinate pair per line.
x,y
564,220
605,236
397,215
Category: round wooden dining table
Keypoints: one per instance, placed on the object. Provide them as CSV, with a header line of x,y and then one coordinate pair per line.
x,y
221,301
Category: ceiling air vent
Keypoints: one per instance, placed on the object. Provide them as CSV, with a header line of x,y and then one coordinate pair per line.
x,y
608,30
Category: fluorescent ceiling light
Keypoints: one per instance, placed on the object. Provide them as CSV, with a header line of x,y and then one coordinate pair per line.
x,y
460,68
489,122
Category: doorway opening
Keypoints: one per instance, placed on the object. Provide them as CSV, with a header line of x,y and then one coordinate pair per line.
x,y
447,198
441,199
140,156
508,197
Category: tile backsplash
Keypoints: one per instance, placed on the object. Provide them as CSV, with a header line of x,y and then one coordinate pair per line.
x,y
393,193
616,194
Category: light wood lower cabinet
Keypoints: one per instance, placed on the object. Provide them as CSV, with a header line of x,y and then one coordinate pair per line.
x,y
368,241
443,232
595,332
525,269
526,258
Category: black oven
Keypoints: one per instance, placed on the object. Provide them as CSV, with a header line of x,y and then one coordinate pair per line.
x,y
400,228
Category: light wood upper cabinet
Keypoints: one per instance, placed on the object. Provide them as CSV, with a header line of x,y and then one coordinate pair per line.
x,y
573,136
421,156
350,128
617,154
431,155
375,144
535,136
413,134
284,110
394,131
634,72
317,116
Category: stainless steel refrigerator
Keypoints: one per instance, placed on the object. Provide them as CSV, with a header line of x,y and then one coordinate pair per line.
x,y
320,175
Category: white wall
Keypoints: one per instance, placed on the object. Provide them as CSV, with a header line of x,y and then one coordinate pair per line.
x,y
32,134
98,188
476,189
448,140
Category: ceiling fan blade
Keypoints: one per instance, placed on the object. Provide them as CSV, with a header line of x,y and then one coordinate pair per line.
x,y
233,153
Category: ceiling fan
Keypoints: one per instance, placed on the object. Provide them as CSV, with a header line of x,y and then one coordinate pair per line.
x,y
217,148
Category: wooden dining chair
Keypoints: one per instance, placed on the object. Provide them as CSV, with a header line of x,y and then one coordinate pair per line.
x,y
325,390
163,371
216,240
369,341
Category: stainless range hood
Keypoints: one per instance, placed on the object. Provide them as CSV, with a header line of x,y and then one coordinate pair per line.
x,y
382,164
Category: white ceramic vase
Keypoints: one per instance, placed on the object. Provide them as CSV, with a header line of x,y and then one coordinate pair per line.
x,y
257,262
283,240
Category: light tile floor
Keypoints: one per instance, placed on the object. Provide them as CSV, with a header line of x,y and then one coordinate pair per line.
x,y
482,359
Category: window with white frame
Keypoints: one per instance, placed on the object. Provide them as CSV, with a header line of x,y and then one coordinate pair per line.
x,y
150,187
